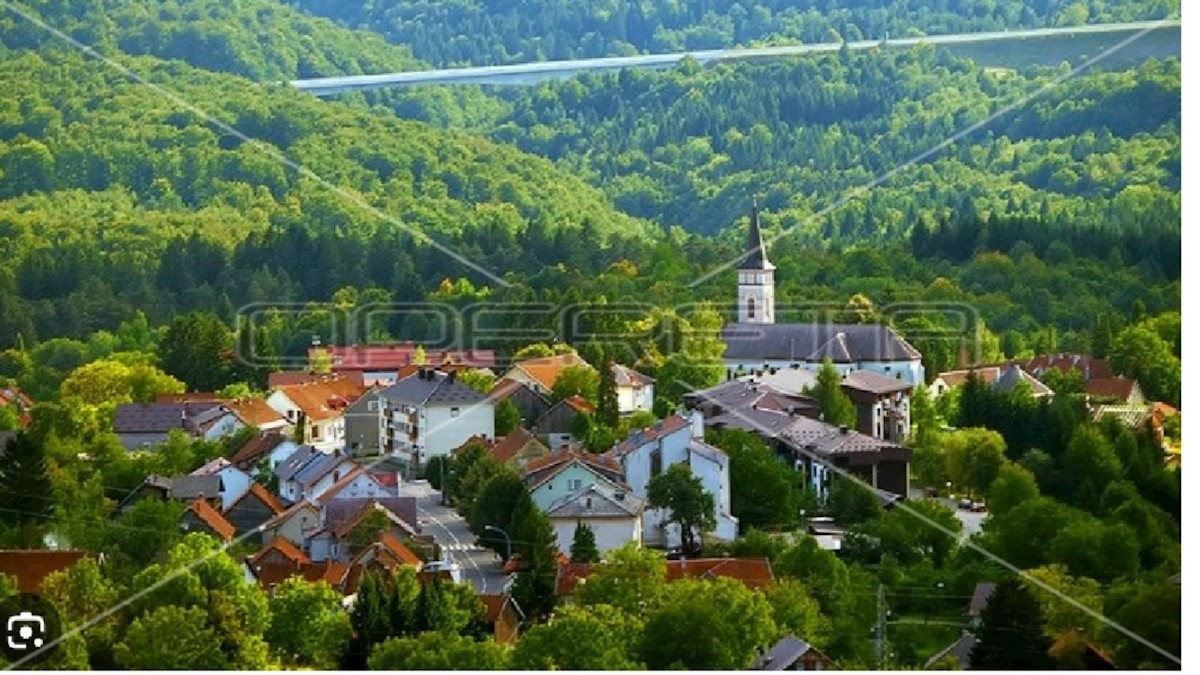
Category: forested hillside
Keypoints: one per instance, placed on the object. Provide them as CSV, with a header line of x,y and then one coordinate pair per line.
x,y
482,32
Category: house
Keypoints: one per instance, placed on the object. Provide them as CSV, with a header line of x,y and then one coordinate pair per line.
x,y
530,403
518,448
541,373
317,407
254,412
145,425
333,541
646,453
1088,366
504,615
253,508
1004,377
294,524
635,391
319,475
200,516
756,342
567,471
816,449
613,514
792,653
270,447
234,481
378,364
31,567
1114,390
12,396
358,483
363,424
178,488
284,378
882,403
753,572
558,423
429,414
286,471
957,656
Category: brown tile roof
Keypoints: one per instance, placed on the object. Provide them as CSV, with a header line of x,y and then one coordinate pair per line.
x,y
754,572
1110,387
325,398
506,387
254,411
545,370
254,449
399,551
212,518
394,356
264,495
957,378
283,546
31,567
562,458
579,404
506,448
333,573
569,576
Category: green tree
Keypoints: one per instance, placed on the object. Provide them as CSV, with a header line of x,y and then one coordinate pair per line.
x,y
1088,466
195,349
508,416
317,608
583,545
836,407
534,587
1139,352
764,492
581,380
503,496
851,501
1013,485
593,637
973,458
192,645
481,380
81,593
797,612
371,620
607,410
438,650
692,508
1061,616
26,493
707,625
630,579
1011,637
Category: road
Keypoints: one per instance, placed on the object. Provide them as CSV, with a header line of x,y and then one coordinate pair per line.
x,y
480,566
532,73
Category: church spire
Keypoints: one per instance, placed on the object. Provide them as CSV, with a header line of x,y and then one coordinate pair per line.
x,y
756,251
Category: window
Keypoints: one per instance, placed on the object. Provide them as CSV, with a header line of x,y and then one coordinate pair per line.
x,y
750,307
655,462
574,484
315,432
454,412
373,406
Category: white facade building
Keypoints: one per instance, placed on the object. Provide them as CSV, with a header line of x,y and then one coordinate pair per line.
x,y
430,413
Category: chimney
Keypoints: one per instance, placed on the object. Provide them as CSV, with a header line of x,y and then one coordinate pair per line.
x,y
450,375
619,495
844,429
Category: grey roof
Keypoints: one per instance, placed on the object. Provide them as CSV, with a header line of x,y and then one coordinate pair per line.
x,y
960,650
432,387
597,501
874,383
828,440
844,343
339,511
313,471
131,418
190,487
628,377
756,258
783,655
979,599
1013,375
707,451
296,461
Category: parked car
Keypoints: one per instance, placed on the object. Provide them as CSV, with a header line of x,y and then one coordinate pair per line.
x,y
979,507
965,504
931,492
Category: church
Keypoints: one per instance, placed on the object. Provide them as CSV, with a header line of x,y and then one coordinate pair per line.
x,y
756,342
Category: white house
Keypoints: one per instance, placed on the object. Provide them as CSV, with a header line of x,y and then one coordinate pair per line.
x,y
318,406
756,342
430,413
613,514
234,481
273,447
676,440
565,472
635,391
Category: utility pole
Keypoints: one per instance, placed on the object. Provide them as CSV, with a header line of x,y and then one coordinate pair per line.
x,y
880,628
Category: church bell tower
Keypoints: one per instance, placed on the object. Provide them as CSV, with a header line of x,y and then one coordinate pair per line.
x,y
756,278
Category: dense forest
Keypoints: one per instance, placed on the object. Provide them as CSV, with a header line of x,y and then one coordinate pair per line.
x,y
484,32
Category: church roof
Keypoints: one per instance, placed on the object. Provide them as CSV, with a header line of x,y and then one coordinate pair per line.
x,y
756,252
812,342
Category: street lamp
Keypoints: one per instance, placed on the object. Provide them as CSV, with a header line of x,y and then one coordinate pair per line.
x,y
507,539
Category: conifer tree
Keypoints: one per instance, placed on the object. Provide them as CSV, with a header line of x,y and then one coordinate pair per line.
x,y
583,546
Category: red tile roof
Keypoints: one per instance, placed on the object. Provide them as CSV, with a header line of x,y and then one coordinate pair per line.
x,y
563,457
754,572
579,404
289,377
1120,388
506,448
325,398
284,547
212,518
31,567
395,356
399,550
333,573
545,370
254,411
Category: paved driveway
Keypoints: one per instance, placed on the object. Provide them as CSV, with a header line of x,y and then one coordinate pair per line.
x,y
480,566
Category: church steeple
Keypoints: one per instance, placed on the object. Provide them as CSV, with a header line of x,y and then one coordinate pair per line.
x,y
756,277
756,258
